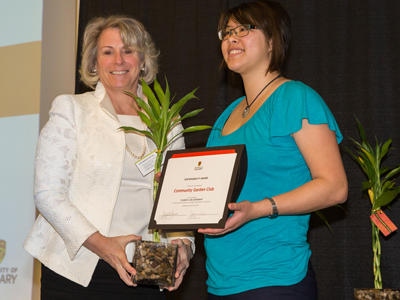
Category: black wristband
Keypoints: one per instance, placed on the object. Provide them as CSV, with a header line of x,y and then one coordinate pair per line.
x,y
275,212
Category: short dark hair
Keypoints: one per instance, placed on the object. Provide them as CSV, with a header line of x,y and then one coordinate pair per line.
x,y
271,18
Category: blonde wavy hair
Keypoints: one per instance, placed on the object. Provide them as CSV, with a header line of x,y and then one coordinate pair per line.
x,y
133,35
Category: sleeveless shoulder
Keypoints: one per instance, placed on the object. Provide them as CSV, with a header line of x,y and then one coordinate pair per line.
x,y
294,101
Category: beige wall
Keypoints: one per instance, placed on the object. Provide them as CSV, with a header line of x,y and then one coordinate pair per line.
x,y
58,52
58,55
20,80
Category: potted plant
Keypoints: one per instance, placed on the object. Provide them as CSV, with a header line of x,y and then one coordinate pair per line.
x,y
155,262
381,190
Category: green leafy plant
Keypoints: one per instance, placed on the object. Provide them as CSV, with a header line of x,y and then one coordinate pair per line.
x,y
320,214
379,186
160,116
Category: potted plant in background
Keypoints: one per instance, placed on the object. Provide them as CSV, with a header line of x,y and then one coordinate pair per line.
x,y
155,262
381,190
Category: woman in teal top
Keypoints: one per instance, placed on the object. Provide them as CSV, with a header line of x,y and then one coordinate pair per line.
x,y
294,165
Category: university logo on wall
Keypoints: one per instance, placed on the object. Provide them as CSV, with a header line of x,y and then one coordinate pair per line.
x,y
2,250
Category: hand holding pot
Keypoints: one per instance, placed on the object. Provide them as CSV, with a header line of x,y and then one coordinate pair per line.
x,y
112,250
185,254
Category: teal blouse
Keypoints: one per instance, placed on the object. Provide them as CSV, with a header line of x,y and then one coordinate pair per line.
x,y
267,252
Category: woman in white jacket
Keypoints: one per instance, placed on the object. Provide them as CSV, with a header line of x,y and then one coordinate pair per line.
x,y
93,200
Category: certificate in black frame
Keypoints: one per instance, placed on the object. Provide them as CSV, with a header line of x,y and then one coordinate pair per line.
x,y
238,176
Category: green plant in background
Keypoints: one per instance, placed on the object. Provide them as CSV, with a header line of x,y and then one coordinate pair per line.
x,y
160,117
379,186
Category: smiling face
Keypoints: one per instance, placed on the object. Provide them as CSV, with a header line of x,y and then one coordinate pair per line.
x,y
246,54
118,65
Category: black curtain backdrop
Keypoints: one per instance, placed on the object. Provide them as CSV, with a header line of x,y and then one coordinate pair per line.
x,y
348,52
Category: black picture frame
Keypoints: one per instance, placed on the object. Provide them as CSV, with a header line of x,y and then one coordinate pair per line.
x,y
238,176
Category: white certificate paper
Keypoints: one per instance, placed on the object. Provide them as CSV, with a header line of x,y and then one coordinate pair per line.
x,y
194,190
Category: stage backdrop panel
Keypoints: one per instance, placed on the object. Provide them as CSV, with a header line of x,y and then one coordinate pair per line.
x,y
18,140
20,52
346,50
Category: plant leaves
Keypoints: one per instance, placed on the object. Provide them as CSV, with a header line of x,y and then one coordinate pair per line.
x,y
361,131
167,92
370,156
146,107
159,117
188,115
153,103
129,129
196,128
366,185
369,159
161,96
385,148
149,94
392,173
189,129
387,185
324,219
177,107
145,119
386,198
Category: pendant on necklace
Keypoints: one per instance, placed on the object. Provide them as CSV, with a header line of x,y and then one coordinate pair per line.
x,y
245,112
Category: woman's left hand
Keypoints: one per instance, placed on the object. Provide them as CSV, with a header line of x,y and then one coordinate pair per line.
x,y
185,254
243,212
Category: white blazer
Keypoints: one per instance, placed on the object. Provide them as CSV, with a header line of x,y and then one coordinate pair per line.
x,y
78,170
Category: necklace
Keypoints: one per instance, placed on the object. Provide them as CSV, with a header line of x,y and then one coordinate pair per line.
x,y
136,135
133,154
247,108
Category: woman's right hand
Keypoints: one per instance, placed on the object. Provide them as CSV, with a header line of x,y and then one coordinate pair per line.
x,y
112,250
157,177
243,212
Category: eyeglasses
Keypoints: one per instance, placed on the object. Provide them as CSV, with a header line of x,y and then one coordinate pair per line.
x,y
239,31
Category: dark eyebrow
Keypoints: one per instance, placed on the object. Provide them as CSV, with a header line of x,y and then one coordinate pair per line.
x,y
232,27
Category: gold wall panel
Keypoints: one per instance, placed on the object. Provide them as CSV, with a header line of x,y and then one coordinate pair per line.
x,y
20,79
